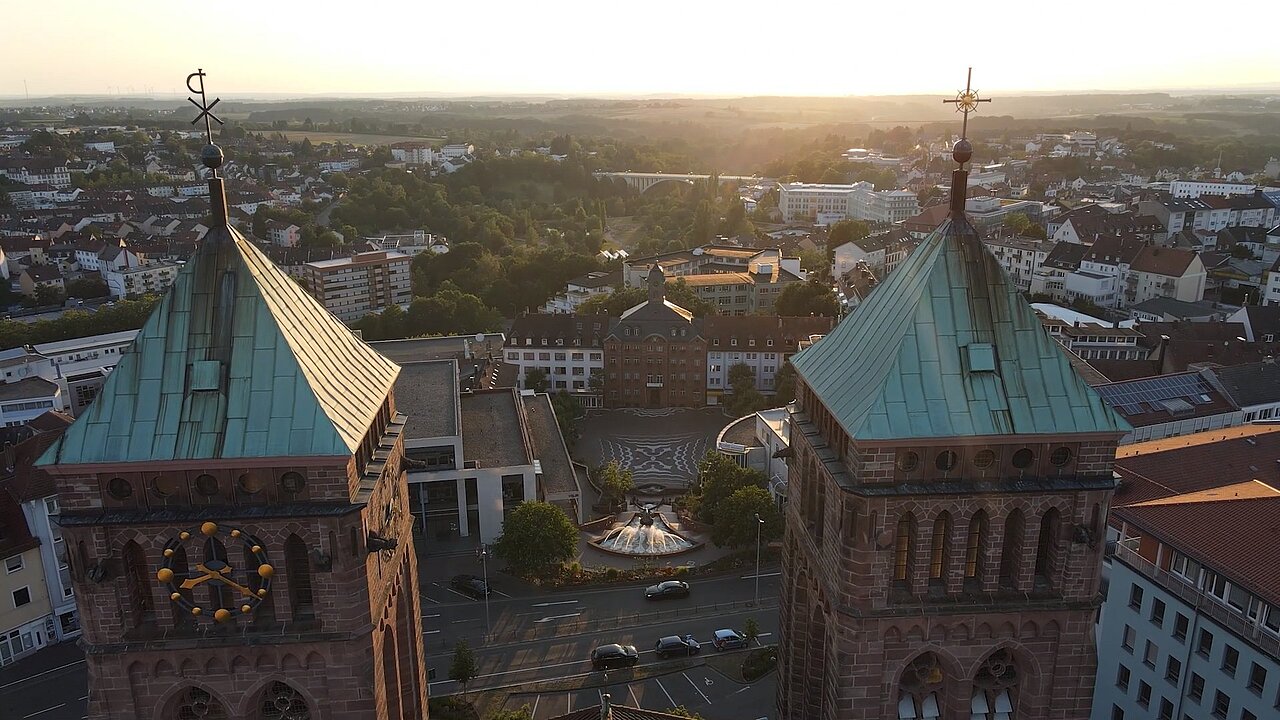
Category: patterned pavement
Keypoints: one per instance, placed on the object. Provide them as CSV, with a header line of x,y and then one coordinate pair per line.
x,y
659,446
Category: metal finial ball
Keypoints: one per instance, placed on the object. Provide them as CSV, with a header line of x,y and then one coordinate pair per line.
x,y
211,156
963,151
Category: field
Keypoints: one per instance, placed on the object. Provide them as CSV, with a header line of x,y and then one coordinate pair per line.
x,y
354,138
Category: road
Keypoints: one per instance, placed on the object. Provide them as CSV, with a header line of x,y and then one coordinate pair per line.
x,y
531,637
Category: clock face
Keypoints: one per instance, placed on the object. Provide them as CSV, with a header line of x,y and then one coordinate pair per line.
x,y
217,572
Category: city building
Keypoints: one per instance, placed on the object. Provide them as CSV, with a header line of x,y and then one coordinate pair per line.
x,y
881,252
235,508
581,289
990,212
800,202
1196,188
1170,405
1021,257
38,277
759,441
653,354
352,287
26,621
149,278
1191,624
472,457
567,349
283,234
35,491
413,153
761,343
948,480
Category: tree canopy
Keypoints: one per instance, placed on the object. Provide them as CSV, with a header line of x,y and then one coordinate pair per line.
x,y
536,537
734,518
619,301
615,482
718,478
802,299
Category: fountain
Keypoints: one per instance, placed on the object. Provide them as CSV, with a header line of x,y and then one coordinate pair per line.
x,y
646,534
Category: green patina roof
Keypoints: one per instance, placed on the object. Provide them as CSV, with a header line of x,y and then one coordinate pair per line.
x,y
236,361
915,360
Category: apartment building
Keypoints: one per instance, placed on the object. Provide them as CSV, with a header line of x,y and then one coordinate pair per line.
x,y
567,348
735,281
1021,257
761,343
1191,624
1196,188
26,624
581,289
807,202
880,252
149,278
364,283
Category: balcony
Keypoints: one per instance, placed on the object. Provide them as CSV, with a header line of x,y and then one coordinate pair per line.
x,y
1203,602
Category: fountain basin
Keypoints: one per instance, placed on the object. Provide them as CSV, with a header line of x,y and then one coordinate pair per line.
x,y
646,534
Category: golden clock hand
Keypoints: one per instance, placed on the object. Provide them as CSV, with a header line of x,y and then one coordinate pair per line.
x,y
190,583
232,583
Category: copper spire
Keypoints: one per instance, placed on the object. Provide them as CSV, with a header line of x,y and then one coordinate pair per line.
x,y
966,101
211,155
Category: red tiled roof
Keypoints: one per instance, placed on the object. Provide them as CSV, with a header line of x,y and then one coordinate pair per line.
x,y
1191,463
1172,262
15,536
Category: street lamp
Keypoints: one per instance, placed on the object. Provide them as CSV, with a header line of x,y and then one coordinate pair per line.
x,y
759,523
483,552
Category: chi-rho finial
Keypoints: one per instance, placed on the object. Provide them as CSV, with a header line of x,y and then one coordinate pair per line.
x,y
966,101
211,155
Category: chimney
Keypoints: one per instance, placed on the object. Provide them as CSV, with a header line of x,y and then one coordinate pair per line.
x,y
606,710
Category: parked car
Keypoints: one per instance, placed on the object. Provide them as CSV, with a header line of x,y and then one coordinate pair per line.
x,y
470,585
667,589
729,640
673,645
607,657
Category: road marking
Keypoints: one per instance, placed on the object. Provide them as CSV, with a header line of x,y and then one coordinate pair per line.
x,y
534,712
569,697
549,604
41,712
46,672
634,701
455,592
499,592
464,620
431,616
424,597
557,617
430,632
664,692
761,575
86,697
695,687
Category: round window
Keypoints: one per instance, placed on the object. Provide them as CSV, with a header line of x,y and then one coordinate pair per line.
x,y
164,485
946,460
908,461
119,488
1023,458
249,484
984,459
207,484
292,482
1060,457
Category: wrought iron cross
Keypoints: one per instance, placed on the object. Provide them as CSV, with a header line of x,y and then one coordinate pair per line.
x,y
205,107
966,101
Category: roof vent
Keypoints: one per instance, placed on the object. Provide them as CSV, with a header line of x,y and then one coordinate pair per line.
x,y
206,375
982,357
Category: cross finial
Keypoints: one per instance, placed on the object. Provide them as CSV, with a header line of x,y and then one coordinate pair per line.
x,y
966,101
211,156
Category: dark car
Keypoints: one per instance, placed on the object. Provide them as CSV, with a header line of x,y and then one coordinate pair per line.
x,y
674,645
668,589
608,657
729,640
470,585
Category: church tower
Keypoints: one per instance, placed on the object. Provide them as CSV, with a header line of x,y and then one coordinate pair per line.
x,y
235,509
949,481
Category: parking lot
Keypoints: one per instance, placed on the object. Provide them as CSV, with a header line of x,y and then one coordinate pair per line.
x,y
702,689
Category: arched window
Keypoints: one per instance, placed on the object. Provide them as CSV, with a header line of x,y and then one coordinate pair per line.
x,y
975,553
298,574
940,547
137,580
995,688
265,614
281,702
181,571
904,553
1011,552
920,689
197,704
1047,548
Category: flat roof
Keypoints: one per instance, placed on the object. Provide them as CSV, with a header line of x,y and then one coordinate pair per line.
x,y
493,433
83,343
413,350
427,392
558,474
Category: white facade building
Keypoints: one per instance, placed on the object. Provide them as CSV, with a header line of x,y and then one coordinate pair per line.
x,y
150,278
860,201
1196,188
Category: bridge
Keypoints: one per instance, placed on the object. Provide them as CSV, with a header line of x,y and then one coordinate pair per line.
x,y
643,181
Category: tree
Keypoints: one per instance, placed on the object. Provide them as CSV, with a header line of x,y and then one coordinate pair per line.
x,y
536,537
718,478
805,299
615,483
684,712
784,384
521,713
463,669
1017,223
49,295
568,413
87,287
745,397
734,518
535,379
751,628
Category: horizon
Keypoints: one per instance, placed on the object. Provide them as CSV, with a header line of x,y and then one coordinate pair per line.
x,y
667,51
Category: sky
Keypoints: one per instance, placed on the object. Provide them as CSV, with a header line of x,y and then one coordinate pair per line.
x,y
653,47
